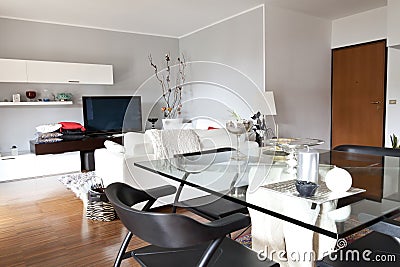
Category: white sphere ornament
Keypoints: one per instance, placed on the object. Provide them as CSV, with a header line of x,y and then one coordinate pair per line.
x,y
338,180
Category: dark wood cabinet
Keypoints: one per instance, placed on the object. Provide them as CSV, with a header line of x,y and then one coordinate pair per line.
x,y
86,146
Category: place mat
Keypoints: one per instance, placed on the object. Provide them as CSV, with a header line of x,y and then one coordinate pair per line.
x,y
277,153
322,195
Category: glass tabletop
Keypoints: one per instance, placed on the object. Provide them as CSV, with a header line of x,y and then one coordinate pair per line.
x,y
262,183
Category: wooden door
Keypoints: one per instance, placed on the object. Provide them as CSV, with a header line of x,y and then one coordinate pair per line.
x,y
358,94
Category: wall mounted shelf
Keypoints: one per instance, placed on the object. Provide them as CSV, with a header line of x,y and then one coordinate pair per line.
x,y
51,103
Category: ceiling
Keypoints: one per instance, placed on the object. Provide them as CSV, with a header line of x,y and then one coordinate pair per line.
x,y
174,18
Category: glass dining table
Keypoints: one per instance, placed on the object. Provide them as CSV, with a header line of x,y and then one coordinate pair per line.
x,y
263,183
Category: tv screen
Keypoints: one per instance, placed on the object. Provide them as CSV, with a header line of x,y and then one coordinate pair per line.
x,y
112,114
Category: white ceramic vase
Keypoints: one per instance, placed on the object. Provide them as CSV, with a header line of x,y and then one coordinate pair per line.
x,y
169,124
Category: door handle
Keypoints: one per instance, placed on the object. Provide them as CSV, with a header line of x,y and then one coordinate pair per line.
x,y
375,102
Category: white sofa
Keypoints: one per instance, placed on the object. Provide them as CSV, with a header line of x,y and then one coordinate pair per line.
x,y
115,163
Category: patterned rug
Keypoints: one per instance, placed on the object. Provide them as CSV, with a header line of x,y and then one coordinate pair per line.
x,y
244,240
80,183
351,238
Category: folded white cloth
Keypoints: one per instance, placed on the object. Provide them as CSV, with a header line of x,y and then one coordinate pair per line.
x,y
114,147
167,143
48,128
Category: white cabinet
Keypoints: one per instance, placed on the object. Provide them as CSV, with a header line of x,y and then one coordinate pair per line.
x,y
31,71
393,23
12,70
62,72
31,165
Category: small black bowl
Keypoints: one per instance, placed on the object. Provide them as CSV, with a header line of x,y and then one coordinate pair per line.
x,y
306,189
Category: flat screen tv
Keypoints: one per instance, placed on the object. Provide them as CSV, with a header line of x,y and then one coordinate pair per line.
x,y
112,114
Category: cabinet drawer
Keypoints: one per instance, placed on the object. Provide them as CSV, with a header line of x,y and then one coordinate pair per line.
x,y
12,70
62,72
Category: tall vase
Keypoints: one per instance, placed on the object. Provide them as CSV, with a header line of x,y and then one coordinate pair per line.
x,y
169,124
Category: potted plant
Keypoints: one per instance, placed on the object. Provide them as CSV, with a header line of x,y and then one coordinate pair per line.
x,y
393,139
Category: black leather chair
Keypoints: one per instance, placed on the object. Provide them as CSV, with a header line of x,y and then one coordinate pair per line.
x,y
177,240
365,252
370,150
212,207
149,198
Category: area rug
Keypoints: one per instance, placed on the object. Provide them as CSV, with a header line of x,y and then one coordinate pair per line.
x,y
244,240
80,183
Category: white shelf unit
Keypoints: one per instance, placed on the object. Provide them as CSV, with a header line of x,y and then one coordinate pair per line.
x,y
50,103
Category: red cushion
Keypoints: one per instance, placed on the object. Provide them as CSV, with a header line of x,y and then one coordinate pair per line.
x,y
69,125
212,128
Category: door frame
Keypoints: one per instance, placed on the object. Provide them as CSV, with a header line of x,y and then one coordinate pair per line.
x,y
384,89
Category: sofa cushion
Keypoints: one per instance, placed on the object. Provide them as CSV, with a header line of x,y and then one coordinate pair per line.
x,y
137,144
167,143
217,138
143,149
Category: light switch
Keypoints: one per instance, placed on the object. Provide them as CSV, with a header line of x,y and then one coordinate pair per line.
x,y
392,101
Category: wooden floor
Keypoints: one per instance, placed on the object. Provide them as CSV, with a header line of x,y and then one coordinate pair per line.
x,y
43,224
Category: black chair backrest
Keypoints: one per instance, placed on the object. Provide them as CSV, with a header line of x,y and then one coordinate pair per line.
x,y
370,150
160,229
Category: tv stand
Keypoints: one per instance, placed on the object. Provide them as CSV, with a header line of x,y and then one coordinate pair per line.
x,y
86,146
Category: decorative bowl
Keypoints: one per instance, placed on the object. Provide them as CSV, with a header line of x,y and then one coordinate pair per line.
x,y
30,95
236,127
64,97
305,188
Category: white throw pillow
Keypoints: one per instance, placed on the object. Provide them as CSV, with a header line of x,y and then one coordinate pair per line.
x,y
114,147
204,123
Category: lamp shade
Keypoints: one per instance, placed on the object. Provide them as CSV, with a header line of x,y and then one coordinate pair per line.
x,y
265,104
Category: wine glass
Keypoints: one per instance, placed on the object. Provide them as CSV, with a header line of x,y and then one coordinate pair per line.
x,y
237,128
153,122
30,95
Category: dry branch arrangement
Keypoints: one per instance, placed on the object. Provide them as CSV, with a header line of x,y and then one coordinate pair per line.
x,y
171,92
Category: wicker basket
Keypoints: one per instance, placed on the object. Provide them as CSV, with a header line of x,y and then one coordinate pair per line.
x,y
98,207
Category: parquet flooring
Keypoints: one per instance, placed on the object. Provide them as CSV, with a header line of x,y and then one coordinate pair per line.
x,y
43,224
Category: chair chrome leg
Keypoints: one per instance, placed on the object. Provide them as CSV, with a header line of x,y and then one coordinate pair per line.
x,y
122,249
205,259
177,195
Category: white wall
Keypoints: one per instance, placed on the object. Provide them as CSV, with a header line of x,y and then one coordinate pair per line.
x,y
392,93
39,41
297,49
298,68
360,28
237,48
